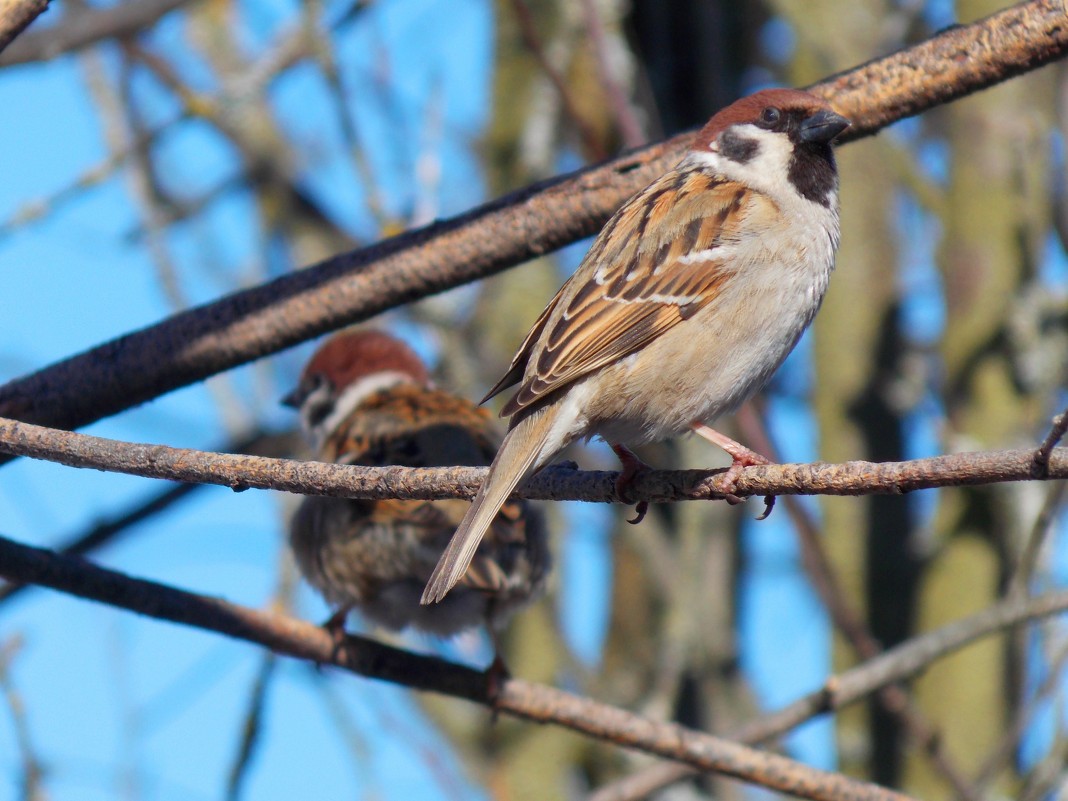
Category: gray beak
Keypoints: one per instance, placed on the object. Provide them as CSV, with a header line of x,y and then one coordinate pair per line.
x,y
294,399
822,127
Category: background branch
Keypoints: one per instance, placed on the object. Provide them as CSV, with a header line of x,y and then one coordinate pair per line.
x,y
15,15
886,670
291,637
84,25
368,658
106,531
354,286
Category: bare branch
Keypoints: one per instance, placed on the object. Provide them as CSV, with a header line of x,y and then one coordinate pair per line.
x,y
630,127
291,637
253,323
31,768
894,698
15,15
105,531
561,482
529,31
366,657
897,664
84,25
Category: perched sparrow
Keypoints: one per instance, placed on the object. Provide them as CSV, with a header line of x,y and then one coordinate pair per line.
x,y
690,298
366,399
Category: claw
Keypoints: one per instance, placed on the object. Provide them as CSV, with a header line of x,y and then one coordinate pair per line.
x,y
335,627
769,504
741,457
640,510
632,466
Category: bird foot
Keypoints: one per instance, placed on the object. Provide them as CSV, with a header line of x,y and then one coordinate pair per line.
x,y
742,457
496,675
335,627
632,468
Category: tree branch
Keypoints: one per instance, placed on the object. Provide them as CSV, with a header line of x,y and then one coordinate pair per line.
x,y
84,25
105,531
15,15
256,322
560,482
291,637
893,666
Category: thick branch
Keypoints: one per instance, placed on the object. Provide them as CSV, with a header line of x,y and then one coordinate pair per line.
x,y
15,15
366,657
561,482
84,25
355,286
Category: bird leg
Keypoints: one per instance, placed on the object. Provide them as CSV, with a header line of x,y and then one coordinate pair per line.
x,y
742,457
632,466
335,627
497,673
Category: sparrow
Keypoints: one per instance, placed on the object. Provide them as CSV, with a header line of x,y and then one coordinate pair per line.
x,y
365,398
689,299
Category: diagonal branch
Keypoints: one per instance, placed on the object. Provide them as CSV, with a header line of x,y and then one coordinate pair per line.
x,y
85,25
893,666
262,320
15,15
562,482
105,531
291,637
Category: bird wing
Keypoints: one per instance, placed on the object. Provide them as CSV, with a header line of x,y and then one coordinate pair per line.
x,y
659,260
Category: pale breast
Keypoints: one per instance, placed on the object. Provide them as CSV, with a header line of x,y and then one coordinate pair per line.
x,y
708,365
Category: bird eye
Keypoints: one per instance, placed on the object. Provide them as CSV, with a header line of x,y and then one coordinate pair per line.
x,y
770,117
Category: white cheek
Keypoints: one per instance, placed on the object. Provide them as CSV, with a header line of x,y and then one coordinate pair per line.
x,y
351,397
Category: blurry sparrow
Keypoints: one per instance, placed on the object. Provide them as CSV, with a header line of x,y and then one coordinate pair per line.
x,y
366,399
690,298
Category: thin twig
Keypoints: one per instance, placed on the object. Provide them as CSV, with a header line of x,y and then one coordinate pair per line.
x,y
252,728
31,766
895,665
541,704
1058,429
893,698
105,531
817,566
262,320
1020,582
529,31
630,128
1005,749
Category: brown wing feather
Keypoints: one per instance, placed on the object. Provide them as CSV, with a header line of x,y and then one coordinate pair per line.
x,y
519,361
632,286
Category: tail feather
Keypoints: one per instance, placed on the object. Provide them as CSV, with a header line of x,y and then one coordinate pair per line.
x,y
515,460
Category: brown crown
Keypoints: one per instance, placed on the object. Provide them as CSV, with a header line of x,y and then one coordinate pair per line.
x,y
749,109
350,355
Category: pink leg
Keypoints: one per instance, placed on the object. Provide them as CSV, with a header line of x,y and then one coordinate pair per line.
x,y
496,674
742,457
632,466
335,625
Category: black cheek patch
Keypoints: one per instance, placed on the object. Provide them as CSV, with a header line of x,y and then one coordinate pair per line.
x,y
812,172
737,148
